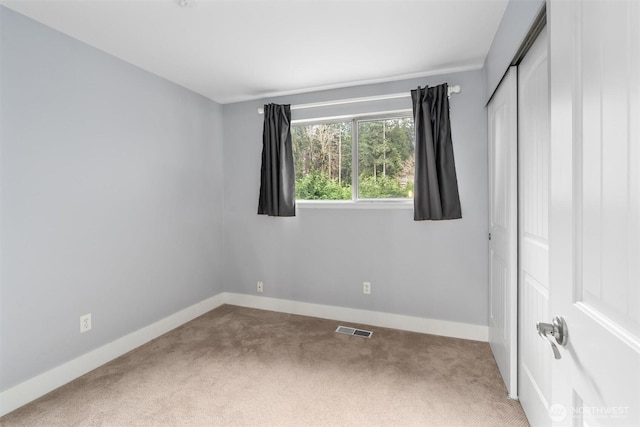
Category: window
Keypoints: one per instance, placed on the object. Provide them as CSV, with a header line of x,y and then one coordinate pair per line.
x,y
363,158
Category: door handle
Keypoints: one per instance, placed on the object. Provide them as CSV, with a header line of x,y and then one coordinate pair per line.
x,y
557,330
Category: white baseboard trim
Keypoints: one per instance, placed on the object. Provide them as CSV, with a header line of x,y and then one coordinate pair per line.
x,y
373,318
36,387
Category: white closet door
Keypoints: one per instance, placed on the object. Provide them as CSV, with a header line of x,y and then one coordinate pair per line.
x,y
502,116
536,357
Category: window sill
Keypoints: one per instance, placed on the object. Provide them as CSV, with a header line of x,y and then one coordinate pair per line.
x,y
350,204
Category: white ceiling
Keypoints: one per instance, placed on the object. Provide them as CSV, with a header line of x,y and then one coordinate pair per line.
x,y
235,50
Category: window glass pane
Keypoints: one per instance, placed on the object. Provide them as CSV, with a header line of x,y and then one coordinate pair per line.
x,y
385,158
322,160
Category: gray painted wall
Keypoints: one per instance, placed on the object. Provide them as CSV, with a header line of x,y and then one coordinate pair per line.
x,y
111,198
427,269
518,18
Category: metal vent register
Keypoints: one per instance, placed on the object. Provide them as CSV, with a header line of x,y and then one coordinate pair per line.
x,y
352,331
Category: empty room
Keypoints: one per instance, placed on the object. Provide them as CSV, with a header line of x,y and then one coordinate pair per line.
x,y
319,212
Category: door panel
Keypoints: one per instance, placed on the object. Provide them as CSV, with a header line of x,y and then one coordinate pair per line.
x,y
533,235
608,189
502,118
595,228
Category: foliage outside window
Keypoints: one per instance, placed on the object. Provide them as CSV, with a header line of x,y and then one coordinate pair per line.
x,y
378,151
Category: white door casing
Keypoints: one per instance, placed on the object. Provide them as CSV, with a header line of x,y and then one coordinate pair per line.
x,y
535,356
502,124
595,210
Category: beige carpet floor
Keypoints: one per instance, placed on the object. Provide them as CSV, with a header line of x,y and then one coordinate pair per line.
x,y
243,367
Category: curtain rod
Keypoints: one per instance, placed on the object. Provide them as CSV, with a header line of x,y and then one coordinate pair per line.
x,y
452,89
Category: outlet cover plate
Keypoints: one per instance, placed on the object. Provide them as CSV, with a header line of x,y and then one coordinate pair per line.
x,y
85,323
366,288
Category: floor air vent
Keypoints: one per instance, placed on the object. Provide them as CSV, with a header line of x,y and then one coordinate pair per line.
x,y
352,331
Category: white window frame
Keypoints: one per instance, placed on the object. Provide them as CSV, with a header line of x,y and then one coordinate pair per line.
x,y
355,202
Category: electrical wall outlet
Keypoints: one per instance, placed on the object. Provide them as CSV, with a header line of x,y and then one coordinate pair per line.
x,y
366,288
260,287
85,323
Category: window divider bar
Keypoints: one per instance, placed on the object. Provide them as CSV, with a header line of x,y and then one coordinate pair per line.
x,y
355,165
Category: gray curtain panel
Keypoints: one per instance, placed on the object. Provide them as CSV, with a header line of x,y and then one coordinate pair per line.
x,y
277,179
435,184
